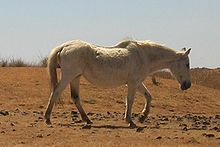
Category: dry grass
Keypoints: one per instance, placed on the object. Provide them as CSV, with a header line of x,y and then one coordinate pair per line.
x,y
13,63
206,77
43,62
200,76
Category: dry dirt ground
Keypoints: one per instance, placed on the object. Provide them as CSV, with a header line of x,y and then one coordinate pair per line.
x,y
189,118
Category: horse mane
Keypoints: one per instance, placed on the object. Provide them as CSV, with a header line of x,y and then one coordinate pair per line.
x,y
146,44
154,45
142,44
123,44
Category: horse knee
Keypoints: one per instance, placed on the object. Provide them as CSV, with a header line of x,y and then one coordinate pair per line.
x,y
55,96
74,96
148,96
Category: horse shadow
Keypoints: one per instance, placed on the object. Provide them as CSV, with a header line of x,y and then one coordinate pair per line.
x,y
139,128
109,127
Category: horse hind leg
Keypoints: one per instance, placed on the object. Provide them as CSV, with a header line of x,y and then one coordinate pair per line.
x,y
65,80
74,87
53,98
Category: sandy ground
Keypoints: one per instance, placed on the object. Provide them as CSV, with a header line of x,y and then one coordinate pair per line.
x,y
189,118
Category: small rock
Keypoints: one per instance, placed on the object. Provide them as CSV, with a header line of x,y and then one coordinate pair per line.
x,y
204,128
217,116
87,126
40,136
135,114
140,129
185,128
179,118
182,125
41,107
164,119
24,113
21,104
157,126
74,114
159,137
171,110
90,113
216,129
206,123
4,112
40,118
119,102
108,113
208,135
48,134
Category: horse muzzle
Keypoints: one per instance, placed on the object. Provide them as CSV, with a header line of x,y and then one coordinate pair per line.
x,y
185,85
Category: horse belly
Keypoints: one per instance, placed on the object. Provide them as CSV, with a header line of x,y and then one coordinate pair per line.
x,y
106,79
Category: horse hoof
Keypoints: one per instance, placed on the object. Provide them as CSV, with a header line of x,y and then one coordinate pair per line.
x,y
87,126
132,125
48,122
89,122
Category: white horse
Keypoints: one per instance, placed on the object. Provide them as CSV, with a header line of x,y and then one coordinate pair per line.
x,y
129,62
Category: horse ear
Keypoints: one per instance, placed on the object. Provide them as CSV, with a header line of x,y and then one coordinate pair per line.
x,y
183,49
187,52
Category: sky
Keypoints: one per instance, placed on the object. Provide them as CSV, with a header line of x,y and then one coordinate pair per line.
x,y
29,29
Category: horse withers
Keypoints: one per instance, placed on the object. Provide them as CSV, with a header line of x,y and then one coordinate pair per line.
x,y
128,62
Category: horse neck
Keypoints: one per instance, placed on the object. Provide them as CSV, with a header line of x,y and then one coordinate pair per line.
x,y
161,59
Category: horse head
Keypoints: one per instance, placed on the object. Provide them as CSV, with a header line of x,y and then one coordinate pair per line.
x,y
180,67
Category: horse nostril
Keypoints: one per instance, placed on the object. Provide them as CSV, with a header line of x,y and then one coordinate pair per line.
x,y
189,85
185,85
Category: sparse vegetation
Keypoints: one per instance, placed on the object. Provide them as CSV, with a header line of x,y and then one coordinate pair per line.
x,y
13,63
200,76
3,63
17,63
43,62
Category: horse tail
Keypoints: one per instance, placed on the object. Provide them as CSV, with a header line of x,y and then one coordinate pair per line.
x,y
52,63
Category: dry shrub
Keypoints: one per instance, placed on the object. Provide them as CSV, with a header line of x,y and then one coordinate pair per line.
x,y
206,77
17,63
13,63
3,63
43,62
200,76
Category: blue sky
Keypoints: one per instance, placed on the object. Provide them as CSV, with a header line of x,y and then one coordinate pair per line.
x,y
29,29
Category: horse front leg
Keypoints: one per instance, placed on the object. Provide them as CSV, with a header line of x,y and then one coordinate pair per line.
x,y
129,103
148,98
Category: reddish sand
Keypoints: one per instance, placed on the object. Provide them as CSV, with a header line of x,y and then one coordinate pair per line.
x,y
189,118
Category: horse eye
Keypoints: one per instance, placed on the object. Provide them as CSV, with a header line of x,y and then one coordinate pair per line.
x,y
187,65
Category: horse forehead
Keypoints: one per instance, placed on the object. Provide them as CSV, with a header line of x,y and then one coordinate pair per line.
x,y
183,60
